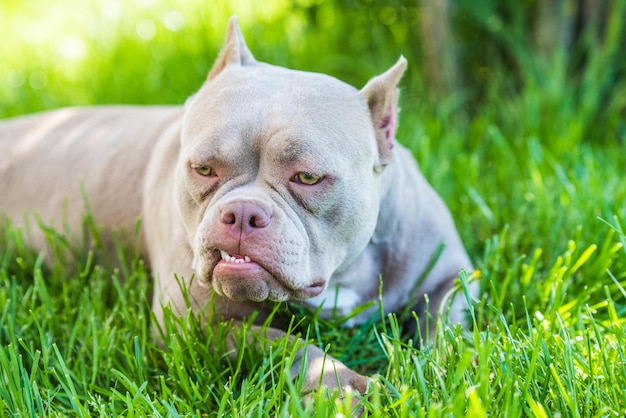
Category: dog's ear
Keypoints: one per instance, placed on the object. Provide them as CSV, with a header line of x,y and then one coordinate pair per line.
x,y
381,94
235,51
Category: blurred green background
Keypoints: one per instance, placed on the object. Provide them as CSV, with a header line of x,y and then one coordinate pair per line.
x,y
534,61
57,53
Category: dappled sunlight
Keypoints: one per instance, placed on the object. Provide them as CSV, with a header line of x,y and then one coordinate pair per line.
x,y
50,50
72,53
40,132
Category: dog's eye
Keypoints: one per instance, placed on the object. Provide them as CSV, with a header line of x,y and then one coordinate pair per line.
x,y
204,170
307,179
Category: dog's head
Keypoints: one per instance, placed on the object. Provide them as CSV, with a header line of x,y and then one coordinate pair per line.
x,y
278,177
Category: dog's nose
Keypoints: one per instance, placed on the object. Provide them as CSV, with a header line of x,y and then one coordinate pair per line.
x,y
244,219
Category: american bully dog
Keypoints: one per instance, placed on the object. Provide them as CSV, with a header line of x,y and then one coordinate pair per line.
x,y
268,185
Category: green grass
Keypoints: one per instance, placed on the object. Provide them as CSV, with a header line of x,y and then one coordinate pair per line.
x,y
540,206
548,339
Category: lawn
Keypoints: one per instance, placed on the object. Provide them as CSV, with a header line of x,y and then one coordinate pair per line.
x,y
533,177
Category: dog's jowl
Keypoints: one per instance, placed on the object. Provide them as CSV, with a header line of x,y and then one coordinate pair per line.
x,y
268,185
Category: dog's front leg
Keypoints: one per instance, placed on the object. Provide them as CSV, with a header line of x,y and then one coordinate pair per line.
x,y
320,369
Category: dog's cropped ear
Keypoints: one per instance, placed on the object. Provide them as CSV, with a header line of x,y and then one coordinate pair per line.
x,y
235,51
381,94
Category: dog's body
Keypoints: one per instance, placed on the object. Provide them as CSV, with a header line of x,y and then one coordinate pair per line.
x,y
270,184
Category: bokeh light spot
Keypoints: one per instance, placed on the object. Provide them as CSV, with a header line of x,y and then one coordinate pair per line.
x,y
72,48
16,78
38,80
173,20
146,29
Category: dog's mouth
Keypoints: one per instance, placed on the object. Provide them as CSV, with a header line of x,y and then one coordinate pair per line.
x,y
236,258
240,277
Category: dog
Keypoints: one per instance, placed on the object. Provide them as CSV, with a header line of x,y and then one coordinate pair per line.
x,y
269,184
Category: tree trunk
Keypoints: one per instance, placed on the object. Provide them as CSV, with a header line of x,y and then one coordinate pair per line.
x,y
440,67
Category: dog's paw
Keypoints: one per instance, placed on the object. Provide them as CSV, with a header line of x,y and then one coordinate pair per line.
x,y
343,385
327,372
323,373
347,379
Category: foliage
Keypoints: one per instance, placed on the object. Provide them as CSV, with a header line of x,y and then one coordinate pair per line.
x,y
528,156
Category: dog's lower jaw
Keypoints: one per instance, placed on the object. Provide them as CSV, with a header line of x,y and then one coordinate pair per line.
x,y
249,281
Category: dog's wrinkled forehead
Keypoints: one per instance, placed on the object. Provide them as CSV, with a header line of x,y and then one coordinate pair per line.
x,y
267,98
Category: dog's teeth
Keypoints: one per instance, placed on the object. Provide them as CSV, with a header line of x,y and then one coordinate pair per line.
x,y
231,259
